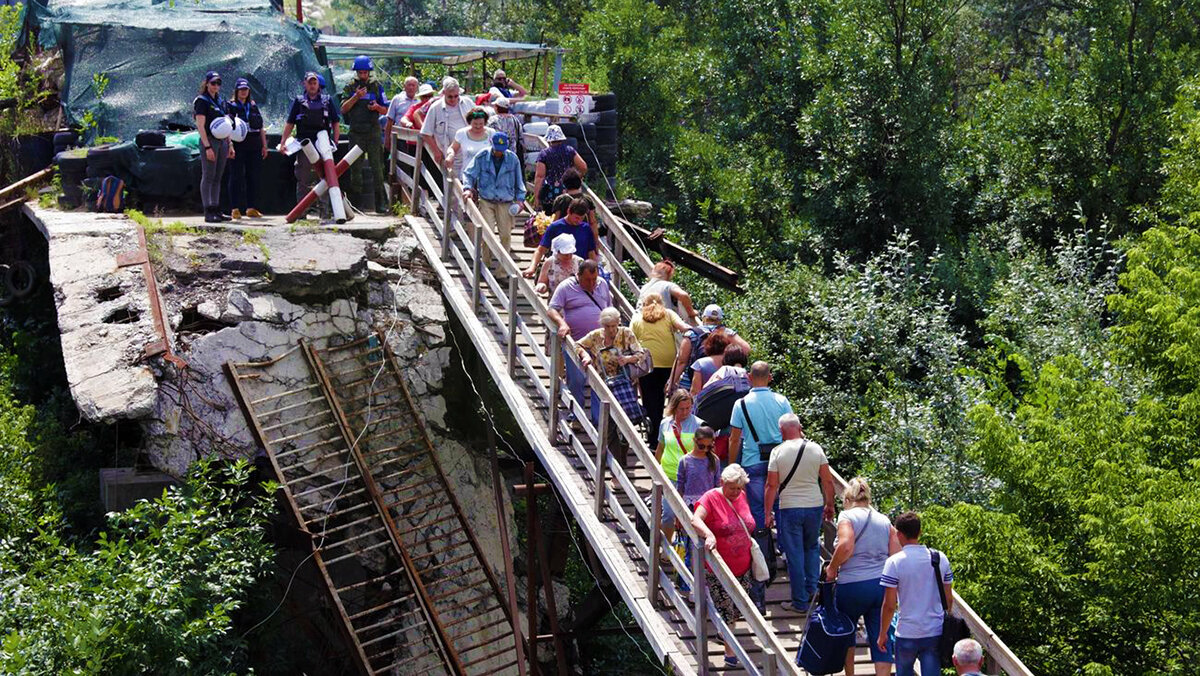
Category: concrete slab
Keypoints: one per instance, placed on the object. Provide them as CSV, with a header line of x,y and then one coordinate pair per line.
x,y
121,487
104,312
367,226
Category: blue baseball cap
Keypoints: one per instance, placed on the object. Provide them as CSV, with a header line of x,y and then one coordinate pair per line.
x,y
241,83
500,141
212,75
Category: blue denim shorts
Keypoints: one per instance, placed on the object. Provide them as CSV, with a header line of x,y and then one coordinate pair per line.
x,y
864,599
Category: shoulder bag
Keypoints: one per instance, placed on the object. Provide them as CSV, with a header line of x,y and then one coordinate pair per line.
x,y
758,561
764,450
954,628
799,457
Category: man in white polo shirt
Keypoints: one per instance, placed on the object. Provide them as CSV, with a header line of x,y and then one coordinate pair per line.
x,y
909,578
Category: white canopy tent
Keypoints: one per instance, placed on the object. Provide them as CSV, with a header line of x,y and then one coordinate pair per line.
x,y
448,49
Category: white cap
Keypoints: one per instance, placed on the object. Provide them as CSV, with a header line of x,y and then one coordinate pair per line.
x,y
555,133
502,102
425,90
713,311
563,244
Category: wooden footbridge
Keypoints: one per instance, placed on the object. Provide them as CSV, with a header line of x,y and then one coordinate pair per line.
x,y
509,326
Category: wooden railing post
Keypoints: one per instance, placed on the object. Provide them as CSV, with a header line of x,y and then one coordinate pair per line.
x,y
392,150
556,357
700,596
601,456
447,217
513,318
656,542
416,191
477,264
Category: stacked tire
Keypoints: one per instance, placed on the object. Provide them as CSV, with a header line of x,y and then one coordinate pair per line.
x,y
72,168
597,134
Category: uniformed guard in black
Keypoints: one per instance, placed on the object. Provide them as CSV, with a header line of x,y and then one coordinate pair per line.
x,y
206,108
248,155
363,101
311,112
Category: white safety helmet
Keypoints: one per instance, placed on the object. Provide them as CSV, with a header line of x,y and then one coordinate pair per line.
x,y
221,128
240,130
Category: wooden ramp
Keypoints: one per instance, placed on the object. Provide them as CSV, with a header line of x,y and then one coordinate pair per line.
x,y
412,589
611,501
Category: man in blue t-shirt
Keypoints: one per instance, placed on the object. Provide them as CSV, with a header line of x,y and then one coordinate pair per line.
x,y
754,430
574,224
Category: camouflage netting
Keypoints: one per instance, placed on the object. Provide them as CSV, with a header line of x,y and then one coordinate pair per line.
x,y
137,64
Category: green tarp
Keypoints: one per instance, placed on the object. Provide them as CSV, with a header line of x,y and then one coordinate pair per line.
x,y
135,64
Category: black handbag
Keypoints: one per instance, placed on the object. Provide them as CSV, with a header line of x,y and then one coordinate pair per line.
x,y
954,629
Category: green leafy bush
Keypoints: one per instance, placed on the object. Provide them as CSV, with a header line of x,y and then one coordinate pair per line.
x,y
157,591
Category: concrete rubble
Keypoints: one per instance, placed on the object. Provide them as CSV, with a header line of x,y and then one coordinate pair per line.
x,y
245,296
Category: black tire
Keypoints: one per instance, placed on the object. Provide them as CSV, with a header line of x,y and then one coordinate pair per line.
x,y
603,102
609,169
606,118
68,164
571,129
589,132
20,279
6,296
66,138
573,142
606,136
150,139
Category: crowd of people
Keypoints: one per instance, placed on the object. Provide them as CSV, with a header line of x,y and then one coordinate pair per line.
x,y
739,457
457,130
733,447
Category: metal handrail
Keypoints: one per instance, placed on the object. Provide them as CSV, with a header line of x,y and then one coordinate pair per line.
x,y
663,487
484,237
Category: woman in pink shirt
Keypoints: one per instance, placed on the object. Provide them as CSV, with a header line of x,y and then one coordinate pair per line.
x,y
722,517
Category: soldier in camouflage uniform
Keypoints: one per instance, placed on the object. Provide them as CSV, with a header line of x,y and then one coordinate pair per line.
x,y
363,101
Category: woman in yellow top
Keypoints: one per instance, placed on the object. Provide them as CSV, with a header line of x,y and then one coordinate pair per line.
x,y
655,327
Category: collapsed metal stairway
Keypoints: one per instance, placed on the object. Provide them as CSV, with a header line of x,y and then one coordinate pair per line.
x,y
410,584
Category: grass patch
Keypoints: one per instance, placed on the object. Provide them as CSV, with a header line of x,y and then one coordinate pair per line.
x,y
254,237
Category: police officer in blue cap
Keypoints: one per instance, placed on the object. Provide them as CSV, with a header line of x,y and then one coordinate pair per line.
x,y
248,154
311,113
363,101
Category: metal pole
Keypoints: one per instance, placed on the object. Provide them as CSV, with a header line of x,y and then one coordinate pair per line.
x,y
655,540
771,668
531,567
299,11
513,318
477,264
556,357
601,458
700,595
509,577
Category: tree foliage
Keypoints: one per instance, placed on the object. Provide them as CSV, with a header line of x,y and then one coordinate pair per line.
x,y
155,593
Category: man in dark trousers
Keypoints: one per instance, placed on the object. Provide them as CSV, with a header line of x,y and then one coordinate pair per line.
x,y
311,113
363,101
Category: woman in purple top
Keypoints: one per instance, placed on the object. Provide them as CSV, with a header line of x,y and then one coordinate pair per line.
x,y
552,163
699,471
